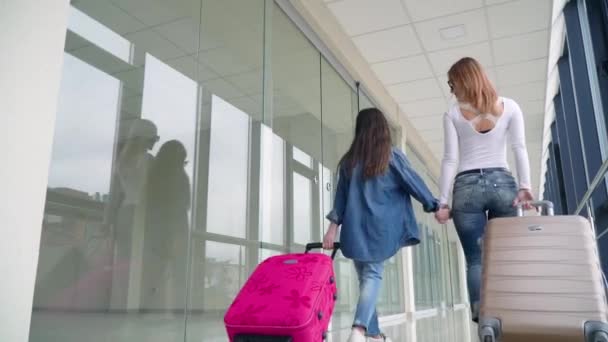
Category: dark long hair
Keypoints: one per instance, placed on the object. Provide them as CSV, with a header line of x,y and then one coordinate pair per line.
x,y
371,147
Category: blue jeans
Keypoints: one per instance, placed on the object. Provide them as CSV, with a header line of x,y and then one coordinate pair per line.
x,y
370,280
477,198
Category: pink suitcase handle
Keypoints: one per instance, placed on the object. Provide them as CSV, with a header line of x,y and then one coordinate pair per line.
x,y
318,245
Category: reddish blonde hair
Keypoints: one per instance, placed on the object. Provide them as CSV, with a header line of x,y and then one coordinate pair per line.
x,y
469,77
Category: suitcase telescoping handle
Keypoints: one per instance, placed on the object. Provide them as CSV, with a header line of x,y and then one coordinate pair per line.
x,y
317,245
546,207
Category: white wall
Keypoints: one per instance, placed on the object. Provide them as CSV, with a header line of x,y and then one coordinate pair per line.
x,y
32,39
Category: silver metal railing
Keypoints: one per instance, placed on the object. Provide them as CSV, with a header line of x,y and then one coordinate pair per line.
x,y
585,202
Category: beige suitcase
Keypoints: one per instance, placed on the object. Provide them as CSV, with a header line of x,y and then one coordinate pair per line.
x,y
542,280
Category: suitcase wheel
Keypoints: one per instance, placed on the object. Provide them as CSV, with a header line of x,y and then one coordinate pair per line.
x,y
487,335
489,330
596,331
600,336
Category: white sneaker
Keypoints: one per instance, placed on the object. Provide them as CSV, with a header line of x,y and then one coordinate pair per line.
x,y
356,336
379,339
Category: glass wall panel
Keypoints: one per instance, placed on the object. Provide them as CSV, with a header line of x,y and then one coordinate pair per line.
x,y
240,168
295,66
339,108
228,169
193,140
117,218
436,268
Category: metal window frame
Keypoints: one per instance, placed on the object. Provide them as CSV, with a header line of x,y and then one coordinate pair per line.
x,y
565,160
572,130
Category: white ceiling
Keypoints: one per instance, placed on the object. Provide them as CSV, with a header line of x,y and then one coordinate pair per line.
x,y
411,44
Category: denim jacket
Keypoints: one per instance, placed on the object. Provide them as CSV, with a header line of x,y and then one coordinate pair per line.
x,y
376,214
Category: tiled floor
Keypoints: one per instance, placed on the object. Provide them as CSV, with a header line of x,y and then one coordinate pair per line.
x,y
53,327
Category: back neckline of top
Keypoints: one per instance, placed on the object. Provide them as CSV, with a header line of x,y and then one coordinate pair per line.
x,y
472,122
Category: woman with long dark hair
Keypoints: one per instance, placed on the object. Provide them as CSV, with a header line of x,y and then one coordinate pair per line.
x,y
374,209
475,162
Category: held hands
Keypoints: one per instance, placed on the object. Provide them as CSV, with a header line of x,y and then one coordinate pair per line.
x,y
442,215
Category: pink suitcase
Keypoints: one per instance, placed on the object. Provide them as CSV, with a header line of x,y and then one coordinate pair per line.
x,y
287,298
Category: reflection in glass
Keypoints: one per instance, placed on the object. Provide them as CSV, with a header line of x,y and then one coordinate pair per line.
x,y
301,157
267,253
224,274
302,210
339,107
87,116
97,33
167,225
170,102
296,96
228,170
163,117
115,232
75,246
272,187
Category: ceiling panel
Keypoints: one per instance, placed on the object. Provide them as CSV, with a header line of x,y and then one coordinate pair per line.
x,y
494,2
150,42
426,123
224,63
414,91
443,60
182,32
403,70
389,44
525,92
472,23
250,83
509,50
413,63
155,12
424,107
223,89
524,72
187,66
363,16
426,9
110,15
531,107
519,17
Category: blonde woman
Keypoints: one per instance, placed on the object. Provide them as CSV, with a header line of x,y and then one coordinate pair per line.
x,y
476,131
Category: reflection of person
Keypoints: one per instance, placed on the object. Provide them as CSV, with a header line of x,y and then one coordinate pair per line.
x,y
374,208
475,134
166,237
127,202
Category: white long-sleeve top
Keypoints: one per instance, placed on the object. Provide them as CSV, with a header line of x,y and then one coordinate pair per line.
x,y
465,148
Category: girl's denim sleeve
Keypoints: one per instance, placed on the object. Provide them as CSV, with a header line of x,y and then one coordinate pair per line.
x,y
337,214
413,184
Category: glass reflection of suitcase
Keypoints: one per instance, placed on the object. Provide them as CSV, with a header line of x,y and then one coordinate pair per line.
x,y
288,298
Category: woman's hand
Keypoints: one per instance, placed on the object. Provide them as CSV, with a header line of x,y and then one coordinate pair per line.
x,y
330,236
442,215
524,196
